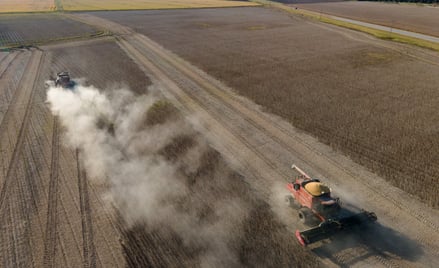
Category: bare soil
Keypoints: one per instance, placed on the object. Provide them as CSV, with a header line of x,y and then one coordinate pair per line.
x,y
28,29
415,18
365,97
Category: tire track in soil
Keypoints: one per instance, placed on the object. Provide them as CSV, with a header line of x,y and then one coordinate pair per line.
x,y
88,247
9,83
26,85
6,62
15,205
108,250
50,240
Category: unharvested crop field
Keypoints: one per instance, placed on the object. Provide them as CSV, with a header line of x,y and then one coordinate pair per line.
x,y
26,5
147,4
365,98
421,19
29,29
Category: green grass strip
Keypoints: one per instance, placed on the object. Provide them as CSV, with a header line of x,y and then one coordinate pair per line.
x,y
385,35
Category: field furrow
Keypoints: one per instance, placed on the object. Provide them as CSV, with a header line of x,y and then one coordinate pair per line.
x,y
51,223
88,247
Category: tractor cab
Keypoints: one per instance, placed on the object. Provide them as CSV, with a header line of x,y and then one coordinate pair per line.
x,y
63,80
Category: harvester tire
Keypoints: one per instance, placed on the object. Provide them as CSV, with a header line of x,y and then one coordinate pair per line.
x,y
291,202
305,215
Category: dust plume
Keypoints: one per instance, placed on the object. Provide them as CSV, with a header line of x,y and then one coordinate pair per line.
x,y
150,167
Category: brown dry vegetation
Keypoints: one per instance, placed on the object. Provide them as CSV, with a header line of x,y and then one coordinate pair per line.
x,y
147,4
26,6
375,104
32,29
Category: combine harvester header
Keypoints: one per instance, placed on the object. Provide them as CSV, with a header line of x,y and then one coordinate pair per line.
x,y
314,201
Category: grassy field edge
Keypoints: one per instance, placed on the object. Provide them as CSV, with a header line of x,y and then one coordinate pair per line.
x,y
377,33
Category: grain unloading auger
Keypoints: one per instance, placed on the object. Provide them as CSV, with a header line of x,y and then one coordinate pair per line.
x,y
314,201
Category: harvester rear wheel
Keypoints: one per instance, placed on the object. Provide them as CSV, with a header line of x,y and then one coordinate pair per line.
x,y
291,202
305,215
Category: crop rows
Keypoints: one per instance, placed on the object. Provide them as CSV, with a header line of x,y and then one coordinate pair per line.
x,y
10,38
32,29
373,103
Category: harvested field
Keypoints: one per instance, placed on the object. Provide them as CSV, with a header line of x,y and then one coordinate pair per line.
x,y
372,102
43,186
68,218
415,18
33,29
72,5
7,6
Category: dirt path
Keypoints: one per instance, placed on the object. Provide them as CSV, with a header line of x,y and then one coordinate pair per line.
x,y
264,147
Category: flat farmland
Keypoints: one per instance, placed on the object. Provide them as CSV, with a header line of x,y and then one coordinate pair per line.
x,y
147,4
32,29
151,162
67,217
420,19
364,97
26,6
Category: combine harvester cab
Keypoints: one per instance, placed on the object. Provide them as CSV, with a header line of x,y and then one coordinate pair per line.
x,y
62,80
314,201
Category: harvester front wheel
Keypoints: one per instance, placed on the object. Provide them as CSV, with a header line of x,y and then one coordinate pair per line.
x,y
305,215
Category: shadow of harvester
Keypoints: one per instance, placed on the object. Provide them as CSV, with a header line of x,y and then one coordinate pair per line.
x,y
363,242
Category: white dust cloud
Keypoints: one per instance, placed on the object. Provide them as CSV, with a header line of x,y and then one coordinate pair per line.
x,y
117,147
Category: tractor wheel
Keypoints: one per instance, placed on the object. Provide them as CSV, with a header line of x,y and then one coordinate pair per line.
x,y
305,215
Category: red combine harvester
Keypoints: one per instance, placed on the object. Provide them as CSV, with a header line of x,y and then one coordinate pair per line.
x,y
314,201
